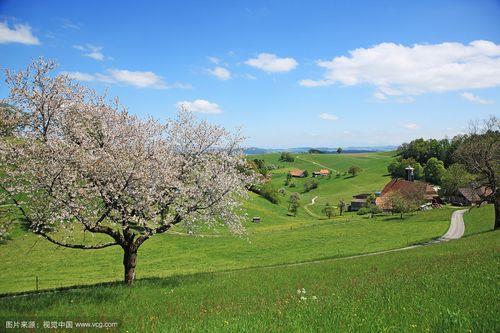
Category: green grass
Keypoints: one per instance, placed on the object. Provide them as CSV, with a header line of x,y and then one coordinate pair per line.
x,y
448,287
169,254
216,282
479,220
278,239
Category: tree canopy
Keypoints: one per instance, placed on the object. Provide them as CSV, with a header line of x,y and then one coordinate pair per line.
x,y
83,163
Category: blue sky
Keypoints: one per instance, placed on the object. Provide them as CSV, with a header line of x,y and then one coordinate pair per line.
x,y
290,73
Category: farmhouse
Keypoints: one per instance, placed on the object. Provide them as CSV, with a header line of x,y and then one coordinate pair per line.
x,y
322,172
467,196
408,188
298,173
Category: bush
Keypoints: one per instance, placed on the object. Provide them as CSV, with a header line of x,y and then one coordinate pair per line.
x,y
286,157
268,192
363,211
310,185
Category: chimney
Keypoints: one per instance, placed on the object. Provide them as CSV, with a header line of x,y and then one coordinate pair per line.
x,y
409,176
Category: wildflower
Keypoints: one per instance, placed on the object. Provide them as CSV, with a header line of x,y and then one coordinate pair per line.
x,y
314,297
303,298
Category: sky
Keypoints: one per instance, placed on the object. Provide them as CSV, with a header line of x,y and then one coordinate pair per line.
x,y
288,73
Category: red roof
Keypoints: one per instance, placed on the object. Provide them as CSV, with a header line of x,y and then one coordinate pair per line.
x,y
406,189
297,173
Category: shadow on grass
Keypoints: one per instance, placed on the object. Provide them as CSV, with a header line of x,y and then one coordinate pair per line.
x,y
102,289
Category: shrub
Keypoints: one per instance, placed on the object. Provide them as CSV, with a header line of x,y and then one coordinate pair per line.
x,y
286,157
268,192
310,185
363,211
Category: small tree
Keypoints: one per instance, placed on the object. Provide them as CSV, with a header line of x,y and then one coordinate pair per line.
x,y
354,170
434,170
294,203
328,210
310,184
400,204
83,164
339,150
374,209
286,157
341,207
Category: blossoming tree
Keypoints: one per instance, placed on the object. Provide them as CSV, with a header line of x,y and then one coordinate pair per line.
x,y
83,164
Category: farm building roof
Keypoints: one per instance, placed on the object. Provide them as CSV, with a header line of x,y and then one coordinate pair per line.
x,y
406,189
297,173
474,194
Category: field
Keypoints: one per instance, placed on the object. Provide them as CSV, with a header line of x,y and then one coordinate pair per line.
x,y
217,282
447,287
27,258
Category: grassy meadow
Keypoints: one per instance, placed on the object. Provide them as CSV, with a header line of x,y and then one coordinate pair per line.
x,y
27,257
446,287
216,282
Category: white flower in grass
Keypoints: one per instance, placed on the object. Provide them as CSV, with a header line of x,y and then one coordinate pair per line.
x,y
314,297
303,298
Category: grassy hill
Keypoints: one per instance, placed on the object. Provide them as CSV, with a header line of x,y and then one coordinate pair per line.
x,y
278,239
217,282
447,287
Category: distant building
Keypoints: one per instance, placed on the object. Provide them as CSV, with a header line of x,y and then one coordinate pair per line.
x,y
467,196
298,173
322,172
359,201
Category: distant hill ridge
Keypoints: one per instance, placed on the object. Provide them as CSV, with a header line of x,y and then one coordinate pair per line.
x,y
326,150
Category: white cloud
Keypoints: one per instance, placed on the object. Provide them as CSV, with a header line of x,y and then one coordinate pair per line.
x,y
139,79
80,76
379,95
271,63
395,69
411,126
475,99
20,33
200,106
328,116
220,72
213,60
91,51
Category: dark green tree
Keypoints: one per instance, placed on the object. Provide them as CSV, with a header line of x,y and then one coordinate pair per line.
x,y
434,170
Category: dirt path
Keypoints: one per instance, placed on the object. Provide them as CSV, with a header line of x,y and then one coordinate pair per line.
x,y
306,208
316,163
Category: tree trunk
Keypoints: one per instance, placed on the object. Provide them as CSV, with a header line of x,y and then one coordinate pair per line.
x,y
129,262
497,210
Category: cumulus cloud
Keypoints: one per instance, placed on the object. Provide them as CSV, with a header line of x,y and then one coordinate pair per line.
x,y
200,106
139,79
220,73
328,116
271,63
475,99
91,51
411,126
396,69
19,33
